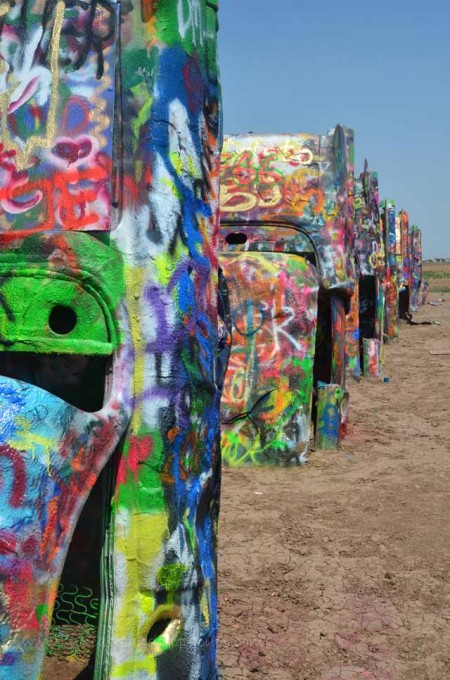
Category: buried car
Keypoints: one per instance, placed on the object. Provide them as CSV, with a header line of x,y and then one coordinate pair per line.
x,y
287,201
416,266
109,427
390,285
403,249
366,317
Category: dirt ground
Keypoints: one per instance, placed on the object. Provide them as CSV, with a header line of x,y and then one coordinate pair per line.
x,y
340,570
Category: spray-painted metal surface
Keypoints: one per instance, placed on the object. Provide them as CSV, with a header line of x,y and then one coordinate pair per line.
x,y
56,106
293,194
369,243
391,286
265,238
290,194
403,242
370,259
381,310
267,395
372,357
416,265
300,180
406,248
352,342
109,118
329,401
338,340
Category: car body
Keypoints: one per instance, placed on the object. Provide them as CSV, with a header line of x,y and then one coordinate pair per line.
x,y
291,195
109,437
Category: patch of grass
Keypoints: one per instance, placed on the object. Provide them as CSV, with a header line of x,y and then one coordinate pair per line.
x,y
436,275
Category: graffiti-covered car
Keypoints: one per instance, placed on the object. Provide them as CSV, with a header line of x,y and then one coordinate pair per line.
x,y
109,159
403,250
365,320
416,266
390,284
284,199
268,386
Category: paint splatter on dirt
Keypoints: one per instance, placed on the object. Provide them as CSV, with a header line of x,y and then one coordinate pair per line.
x,y
341,570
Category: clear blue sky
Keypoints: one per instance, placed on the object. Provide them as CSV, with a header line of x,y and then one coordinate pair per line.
x,y
382,68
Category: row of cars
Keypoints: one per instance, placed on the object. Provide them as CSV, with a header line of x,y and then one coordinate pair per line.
x,y
318,272
111,367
